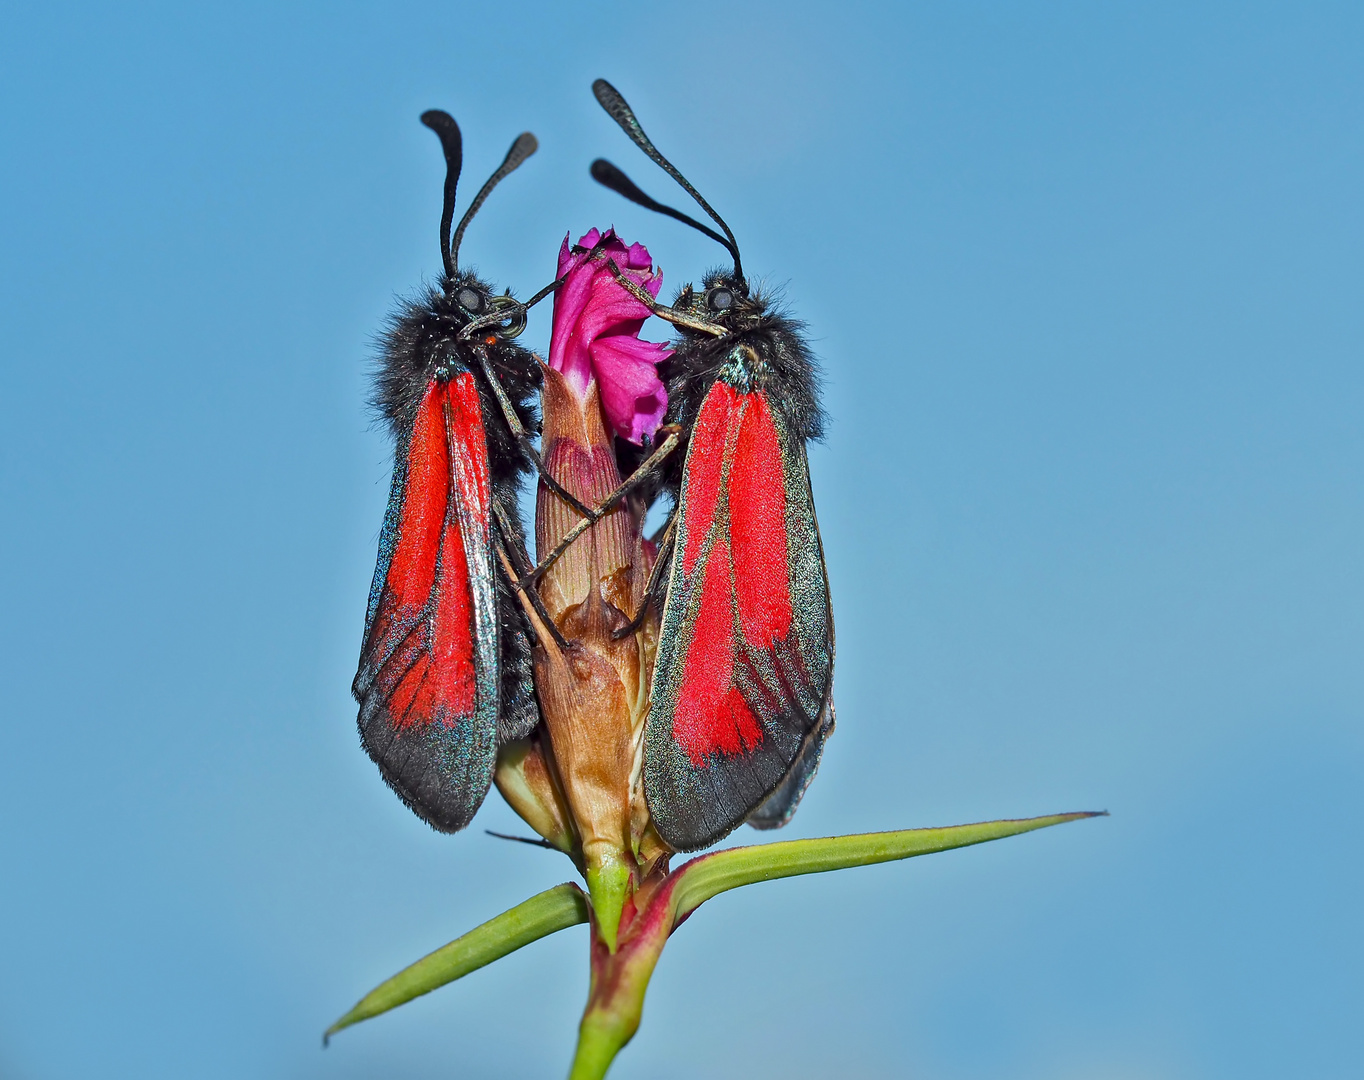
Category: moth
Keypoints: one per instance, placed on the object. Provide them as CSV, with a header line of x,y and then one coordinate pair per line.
x,y
445,667
741,698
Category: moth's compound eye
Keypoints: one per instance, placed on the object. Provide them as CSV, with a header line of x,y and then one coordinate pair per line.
x,y
470,300
720,298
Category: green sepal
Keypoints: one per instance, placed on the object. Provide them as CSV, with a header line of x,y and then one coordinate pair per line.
x,y
543,914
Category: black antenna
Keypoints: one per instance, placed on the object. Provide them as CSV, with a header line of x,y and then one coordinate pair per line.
x,y
606,174
524,146
443,124
608,97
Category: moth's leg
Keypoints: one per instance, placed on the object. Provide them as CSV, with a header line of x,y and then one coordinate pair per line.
x,y
664,312
647,468
515,562
493,318
665,551
522,439
663,530
553,285
533,841
591,254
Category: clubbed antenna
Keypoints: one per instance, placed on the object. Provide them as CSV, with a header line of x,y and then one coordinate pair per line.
x,y
522,148
619,110
606,174
443,124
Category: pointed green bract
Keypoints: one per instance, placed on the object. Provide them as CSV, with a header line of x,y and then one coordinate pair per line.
x,y
543,914
711,875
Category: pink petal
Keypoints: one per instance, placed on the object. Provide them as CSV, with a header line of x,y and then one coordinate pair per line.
x,y
632,395
637,258
595,326
565,256
567,345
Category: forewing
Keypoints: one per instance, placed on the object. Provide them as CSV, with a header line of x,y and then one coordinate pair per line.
x,y
740,698
427,682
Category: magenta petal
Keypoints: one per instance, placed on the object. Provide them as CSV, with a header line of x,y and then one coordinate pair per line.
x,y
567,342
632,395
637,258
565,256
595,331
608,305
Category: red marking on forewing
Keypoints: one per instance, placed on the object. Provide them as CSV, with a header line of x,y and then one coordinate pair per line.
x,y
412,571
452,647
403,681
705,463
757,525
711,714
469,451
430,675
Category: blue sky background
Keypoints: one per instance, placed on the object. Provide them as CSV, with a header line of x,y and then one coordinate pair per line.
x,y
1087,284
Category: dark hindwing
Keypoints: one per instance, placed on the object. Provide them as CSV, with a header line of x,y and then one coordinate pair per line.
x,y
741,692
428,682
520,708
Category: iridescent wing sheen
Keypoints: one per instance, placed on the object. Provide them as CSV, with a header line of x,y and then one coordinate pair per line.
x,y
740,701
776,810
428,678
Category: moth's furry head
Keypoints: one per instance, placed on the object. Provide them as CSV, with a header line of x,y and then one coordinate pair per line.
x,y
786,370
421,343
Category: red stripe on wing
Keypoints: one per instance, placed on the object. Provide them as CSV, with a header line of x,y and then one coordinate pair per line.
x,y
711,714
467,531
705,464
412,570
757,525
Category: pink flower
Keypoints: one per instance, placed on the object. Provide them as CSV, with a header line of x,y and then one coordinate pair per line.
x,y
596,327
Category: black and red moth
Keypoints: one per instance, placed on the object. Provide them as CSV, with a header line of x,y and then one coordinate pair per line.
x,y
445,669
741,700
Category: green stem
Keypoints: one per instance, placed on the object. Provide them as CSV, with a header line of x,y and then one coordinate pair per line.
x,y
600,1039
619,980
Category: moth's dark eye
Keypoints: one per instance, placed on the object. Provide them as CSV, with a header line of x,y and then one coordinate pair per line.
x,y
720,298
470,300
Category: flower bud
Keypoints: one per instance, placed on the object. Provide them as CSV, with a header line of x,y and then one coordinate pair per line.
x,y
581,784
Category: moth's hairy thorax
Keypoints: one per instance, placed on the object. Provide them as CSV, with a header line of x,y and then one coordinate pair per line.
x,y
422,343
764,350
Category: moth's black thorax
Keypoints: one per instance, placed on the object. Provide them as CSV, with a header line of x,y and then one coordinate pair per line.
x,y
422,343
764,349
